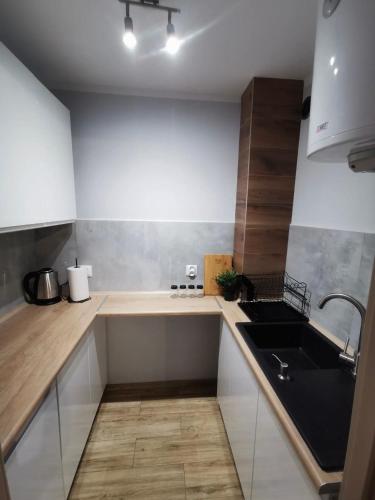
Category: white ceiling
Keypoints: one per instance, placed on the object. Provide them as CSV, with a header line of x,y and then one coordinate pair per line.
x,y
78,44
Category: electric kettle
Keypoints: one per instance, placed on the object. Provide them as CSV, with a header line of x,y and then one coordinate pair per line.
x,y
41,287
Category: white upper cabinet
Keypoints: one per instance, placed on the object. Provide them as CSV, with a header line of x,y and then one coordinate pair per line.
x,y
36,160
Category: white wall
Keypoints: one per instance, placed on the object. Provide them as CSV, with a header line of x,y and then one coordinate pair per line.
x,y
154,159
331,195
171,348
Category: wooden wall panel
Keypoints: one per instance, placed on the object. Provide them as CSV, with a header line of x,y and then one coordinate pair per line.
x,y
266,161
267,216
269,137
242,178
254,264
270,190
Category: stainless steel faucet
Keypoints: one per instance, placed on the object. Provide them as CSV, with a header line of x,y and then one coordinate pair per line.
x,y
344,355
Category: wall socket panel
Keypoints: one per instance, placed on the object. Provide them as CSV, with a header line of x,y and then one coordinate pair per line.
x,y
191,271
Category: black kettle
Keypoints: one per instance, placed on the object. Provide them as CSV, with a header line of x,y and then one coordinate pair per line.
x,y
41,287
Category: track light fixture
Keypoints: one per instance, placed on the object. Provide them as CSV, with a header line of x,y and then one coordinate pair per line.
x,y
172,44
129,38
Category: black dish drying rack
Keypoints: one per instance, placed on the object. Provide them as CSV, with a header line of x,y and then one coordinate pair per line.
x,y
274,298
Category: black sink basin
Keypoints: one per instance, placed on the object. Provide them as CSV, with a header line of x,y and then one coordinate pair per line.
x,y
319,394
298,344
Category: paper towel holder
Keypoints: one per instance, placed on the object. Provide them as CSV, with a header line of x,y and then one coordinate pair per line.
x,y
78,284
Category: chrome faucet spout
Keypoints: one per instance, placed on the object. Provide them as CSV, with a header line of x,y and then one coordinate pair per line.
x,y
354,360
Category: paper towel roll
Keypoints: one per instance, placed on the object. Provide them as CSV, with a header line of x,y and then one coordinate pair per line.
x,y
78,283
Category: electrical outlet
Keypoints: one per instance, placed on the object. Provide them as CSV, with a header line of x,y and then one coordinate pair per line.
x,y
88,268
191,271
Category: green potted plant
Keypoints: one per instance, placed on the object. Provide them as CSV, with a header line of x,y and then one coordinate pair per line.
x,y
228,282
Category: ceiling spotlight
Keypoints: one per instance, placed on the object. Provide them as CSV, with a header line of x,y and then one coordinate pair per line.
x,y
129,38
173,43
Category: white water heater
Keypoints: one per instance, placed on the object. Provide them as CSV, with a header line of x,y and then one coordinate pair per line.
x,y
342,117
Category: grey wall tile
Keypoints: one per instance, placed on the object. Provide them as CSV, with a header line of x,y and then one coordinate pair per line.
x,y
332,261
17,257
137,255
56,247
29,250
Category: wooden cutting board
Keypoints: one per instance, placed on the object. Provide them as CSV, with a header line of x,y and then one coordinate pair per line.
x,y
213,265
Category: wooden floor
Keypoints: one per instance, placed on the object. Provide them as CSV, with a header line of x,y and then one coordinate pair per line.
x,y
168,449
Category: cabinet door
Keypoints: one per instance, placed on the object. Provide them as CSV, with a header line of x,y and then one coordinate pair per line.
x,y
74,395
98,362
34,469
278,472
36,159
238,399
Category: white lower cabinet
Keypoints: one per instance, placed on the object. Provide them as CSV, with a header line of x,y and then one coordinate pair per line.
x,y
80,385
278,472
34,469
238,399
267,465
97,361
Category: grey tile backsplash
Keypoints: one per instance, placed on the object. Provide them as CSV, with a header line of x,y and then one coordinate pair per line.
x,y
150,256
17,257
126,255
328,261
28,250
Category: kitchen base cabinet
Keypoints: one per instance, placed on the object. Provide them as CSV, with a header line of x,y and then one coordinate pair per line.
x,y
268,466
34,469
97,342
238,399
80,386
277,471
73,386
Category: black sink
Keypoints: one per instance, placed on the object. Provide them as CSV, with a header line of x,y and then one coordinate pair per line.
x,y
319,394
298,344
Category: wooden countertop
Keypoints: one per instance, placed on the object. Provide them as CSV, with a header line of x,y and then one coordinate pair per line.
x,y
35,343
149,304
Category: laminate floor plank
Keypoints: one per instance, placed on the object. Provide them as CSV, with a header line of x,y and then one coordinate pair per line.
x,y
168,449
212,481
181,450
138,427
103,455
144,483
118,411
191,406
202,424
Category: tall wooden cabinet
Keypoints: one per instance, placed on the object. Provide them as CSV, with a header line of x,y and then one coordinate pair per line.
x,y
268,147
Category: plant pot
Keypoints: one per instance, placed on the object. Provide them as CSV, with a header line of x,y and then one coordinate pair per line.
x,y
230,293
